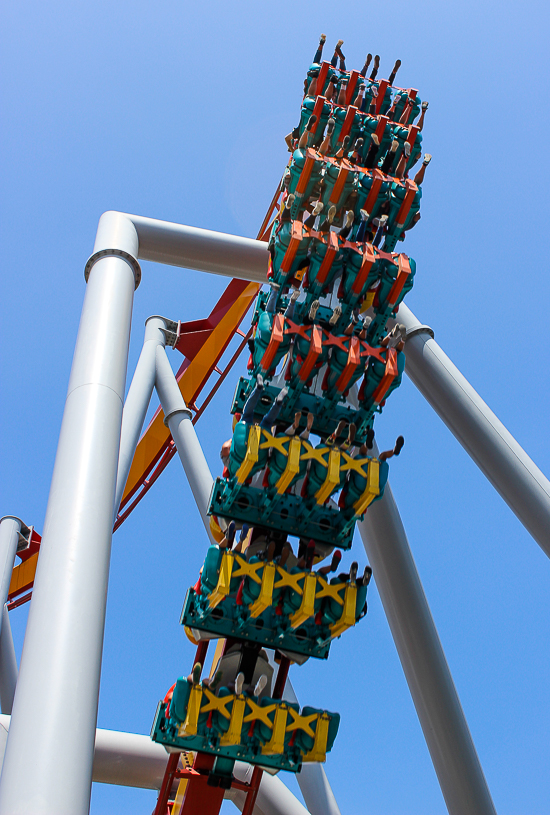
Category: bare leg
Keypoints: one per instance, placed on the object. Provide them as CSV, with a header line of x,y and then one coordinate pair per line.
x,y
343,91
304,138
406,111
396,450
402,165
291,431
329,93
341,152
334,60
304,435
419,177
325,145
334,436
424,108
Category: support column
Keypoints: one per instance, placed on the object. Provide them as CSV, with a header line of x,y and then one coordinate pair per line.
x,y
10,528
312,778
55,707
500,458
178,418
137,401
434,695
8,664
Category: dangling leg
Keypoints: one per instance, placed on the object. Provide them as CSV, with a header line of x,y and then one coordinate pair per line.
x,y
375,67
334,436
333,565
362,231
396,67
289,312
319,53
342,65
419,177
366,65
334,60
271,416
272,299
370,161
304,435
291,430
424,108
252,401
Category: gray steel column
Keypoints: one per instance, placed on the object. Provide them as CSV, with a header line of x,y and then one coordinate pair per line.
x,y
178,418
10,527
495,451
312,778
274,798
55,707
8,664
137,402
430,683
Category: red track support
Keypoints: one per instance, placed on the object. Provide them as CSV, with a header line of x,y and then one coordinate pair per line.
x,y
169,774
200,797
280,682
253,793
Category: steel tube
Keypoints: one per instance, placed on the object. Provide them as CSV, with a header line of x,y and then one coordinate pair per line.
x,y
132,760
512,473
178,418
312,778
434,695
8,664
137,401
190,247
55,707
10,527
273,798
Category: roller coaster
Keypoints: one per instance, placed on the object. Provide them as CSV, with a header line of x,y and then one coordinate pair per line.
x,y
322,364
327,344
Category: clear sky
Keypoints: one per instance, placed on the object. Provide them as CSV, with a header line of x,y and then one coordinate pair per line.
x,y
178,111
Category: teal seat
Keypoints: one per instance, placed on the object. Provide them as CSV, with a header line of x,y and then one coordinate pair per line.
x,y
180,699
211,568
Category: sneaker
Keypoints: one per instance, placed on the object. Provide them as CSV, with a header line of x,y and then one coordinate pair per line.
x,y
313,309
336,314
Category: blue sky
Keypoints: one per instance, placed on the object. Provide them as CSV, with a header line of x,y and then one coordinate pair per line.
x,y
178,111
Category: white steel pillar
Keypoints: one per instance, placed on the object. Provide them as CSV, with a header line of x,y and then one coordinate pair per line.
x,y
430,682
10,532
10,527
137,401
178,419
500,458
8,664
55,707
